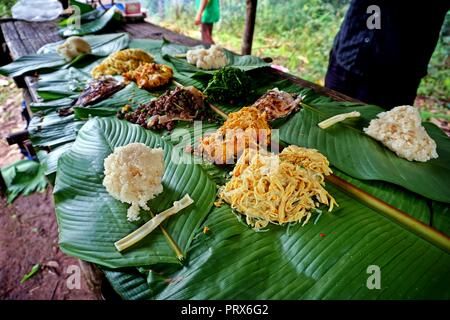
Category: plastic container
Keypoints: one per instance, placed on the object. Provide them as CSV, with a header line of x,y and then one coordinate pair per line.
x,y
37,10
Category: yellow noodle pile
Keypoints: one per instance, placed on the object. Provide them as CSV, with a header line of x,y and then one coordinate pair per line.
x,y
278,188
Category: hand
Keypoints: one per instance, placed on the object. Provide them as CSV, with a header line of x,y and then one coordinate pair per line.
x,y
198,20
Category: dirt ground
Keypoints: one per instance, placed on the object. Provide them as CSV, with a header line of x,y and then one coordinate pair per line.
x,y
29,235
29,232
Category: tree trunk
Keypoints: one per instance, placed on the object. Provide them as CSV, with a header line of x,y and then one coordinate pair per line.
x,y
250,19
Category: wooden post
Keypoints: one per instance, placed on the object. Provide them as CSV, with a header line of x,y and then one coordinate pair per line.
x,y
250,18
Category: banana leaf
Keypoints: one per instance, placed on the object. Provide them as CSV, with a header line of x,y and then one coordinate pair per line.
x,y
32,63
130,284
50,159
47,58
53,130
441,216
62,83
23,177
89,27
327,259
101,45
90,220
47,107
362,157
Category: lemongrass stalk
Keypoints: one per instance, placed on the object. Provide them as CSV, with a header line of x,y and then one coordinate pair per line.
x,y
338,118
424,231
180,55
152,224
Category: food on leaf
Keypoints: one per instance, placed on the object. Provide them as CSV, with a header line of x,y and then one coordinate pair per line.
x,y
121,62
133,174
73,47
277,104
246,128
279,189
401,130
180,104
99,89
228,85
338,118
212,58
150,75
151,225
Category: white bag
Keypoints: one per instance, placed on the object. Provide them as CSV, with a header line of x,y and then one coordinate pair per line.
x,y
37,10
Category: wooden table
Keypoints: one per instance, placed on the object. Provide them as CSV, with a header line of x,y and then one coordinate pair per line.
x,y
24,38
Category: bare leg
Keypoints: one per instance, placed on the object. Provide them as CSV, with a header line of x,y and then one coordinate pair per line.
x,y
206,29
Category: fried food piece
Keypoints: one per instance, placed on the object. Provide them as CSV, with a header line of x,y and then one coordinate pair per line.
x,y
150,75
244,129
121,62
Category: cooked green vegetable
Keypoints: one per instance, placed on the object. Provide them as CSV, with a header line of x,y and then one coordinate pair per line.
x,y
228,85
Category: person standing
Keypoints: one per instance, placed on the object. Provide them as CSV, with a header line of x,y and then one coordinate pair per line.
x,y
383,48
208,13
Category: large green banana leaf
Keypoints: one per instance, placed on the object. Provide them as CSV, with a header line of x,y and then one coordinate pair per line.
x,y
360,156
326,259
90,220
23,177
89,27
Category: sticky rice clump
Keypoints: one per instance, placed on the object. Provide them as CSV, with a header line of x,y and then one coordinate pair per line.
x,y
401,130
133,174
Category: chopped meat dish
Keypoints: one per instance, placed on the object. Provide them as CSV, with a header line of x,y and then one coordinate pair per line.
x,y
180,104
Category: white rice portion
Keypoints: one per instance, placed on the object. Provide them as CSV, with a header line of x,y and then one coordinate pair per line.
x,y
401,130
133,174
207,59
